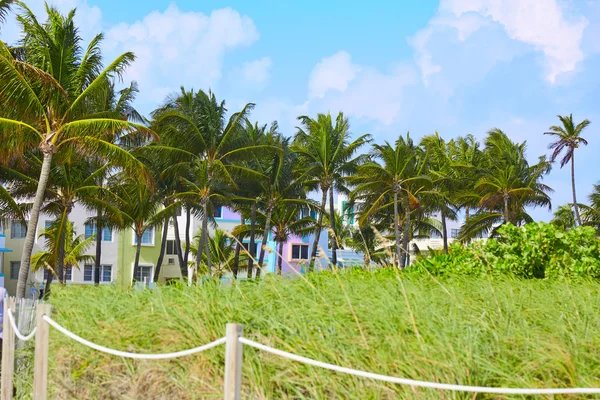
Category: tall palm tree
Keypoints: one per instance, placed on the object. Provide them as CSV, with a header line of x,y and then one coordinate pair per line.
x,y
116,104
445,175
392,180
140,207
507,186
280,186
208,145
326,155
568,138
44,103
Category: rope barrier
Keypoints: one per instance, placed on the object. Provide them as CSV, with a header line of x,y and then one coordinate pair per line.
x,y
411,382
18,333
125,354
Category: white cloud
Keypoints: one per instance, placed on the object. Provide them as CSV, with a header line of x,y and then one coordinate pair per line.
x,y
337,84
332,73
255,72
538,23
175,47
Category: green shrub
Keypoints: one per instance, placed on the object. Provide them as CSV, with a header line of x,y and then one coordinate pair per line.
x,y
536,250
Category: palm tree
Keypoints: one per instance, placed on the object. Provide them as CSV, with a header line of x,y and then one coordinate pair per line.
x,y
140,207
221,250
395,183
368,241
591,212
4,9
326,157
209,146
568,138
564,218
280,186
117,104
44,101
507,186
286,224
73,253
445,175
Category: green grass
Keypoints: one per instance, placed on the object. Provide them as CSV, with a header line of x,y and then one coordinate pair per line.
x,y
517,333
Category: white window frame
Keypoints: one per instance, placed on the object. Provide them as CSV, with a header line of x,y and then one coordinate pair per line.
x,y
454,233
12,224
151,266
134,238
174,242
291,257
102,267
95,230
14,278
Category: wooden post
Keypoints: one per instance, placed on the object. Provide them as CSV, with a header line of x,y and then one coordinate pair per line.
x,y
8,350
40,371
233,362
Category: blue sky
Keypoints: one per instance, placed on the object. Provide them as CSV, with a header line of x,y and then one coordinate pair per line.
x,y
452,66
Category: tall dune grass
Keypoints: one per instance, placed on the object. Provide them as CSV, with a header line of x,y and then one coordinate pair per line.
x,y
514,333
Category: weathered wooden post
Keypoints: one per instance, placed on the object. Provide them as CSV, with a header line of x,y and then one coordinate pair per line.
x,y
8,350
233,362
40,371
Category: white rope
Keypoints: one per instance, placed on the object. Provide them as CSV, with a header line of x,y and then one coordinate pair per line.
x,y
11,318
411,382
125,354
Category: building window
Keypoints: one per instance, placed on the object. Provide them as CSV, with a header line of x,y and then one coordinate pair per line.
x,y
107,234
171,248
14,270
18,230
68,274
178,212
90,230
436,235
105,273
147,237
246,246
142,274
218,212
299,252
453,233
48,224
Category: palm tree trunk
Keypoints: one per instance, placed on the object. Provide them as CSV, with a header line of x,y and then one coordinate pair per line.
x,y
265,238
445,232
98,260
333,228
252,241
202,235
138,249
60,256
188,222
313,253
399,254
238,250
575,205
506,216
161,255
183,267
280,259
208,264
33,221
406,235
